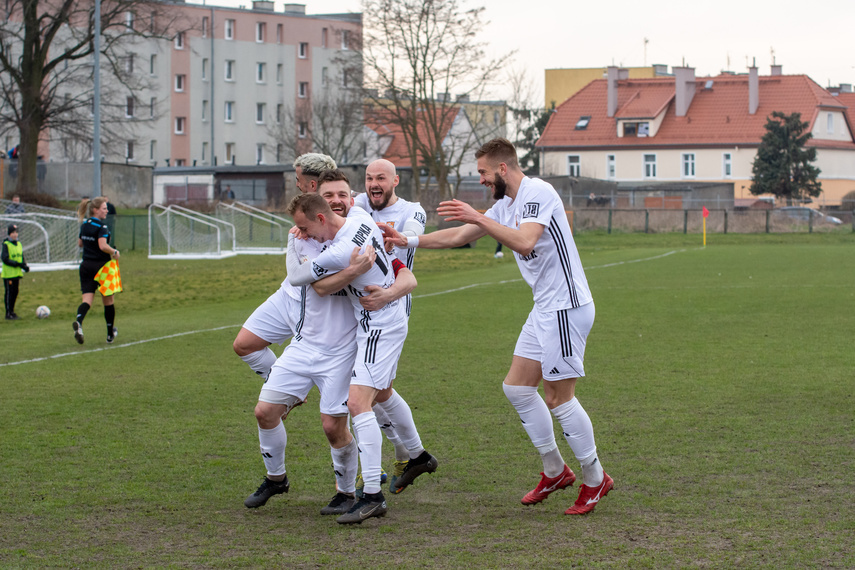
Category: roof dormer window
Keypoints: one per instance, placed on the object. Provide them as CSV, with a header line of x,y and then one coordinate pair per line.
x,y
582,123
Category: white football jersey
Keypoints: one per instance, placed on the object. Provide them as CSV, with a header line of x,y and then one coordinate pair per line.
x,y
360,230
553,269
326,323
396,215
306,249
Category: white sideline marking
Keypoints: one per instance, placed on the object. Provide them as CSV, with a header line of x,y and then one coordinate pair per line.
x,y
136,342
520,279
111,347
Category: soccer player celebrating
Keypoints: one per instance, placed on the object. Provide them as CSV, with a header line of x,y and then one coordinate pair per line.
x,y
529,219
386,207
380,338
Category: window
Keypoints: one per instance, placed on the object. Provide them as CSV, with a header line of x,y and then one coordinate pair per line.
x,y
324,38
152,150
129,64
152,107
650,166
345,78
636,129
279,73
303,51
260,72
204,151
689,165
204,26
179,125
278,33
303,90
279,109
230,153
303,130
153,23
179,82
230,29
152,64
573,165
259,113
229,112
727,165
324,76
259,153
582,123
230,70
611,166
129,150
279,150
180,162
829,126
204,109
260,28
129,107
496,117
205,69
129,20
345,39
643,129
179,40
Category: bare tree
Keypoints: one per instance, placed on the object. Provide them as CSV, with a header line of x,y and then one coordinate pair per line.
x,y
416,54
46,69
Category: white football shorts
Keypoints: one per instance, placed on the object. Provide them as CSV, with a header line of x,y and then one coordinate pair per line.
x,y
299,368
377,355
275,319
557,340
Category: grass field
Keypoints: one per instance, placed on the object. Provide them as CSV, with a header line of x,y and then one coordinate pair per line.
x,y
720,384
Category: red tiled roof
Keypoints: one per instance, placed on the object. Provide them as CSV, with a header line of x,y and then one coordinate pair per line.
x,y
397,153
848,99
717,116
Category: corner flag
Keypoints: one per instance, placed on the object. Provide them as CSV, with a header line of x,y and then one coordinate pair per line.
x,y
109,279
705,214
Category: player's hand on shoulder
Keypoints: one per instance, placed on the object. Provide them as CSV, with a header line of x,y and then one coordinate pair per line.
x,y
362,262
376,298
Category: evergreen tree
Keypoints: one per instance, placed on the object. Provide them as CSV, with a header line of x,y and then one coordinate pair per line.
x,y
783,166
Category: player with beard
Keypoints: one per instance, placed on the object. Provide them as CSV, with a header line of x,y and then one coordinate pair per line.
x,y
380,338
384,205
321,354
529,218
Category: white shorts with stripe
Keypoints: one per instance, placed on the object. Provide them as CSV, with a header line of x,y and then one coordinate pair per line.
x,y
557,340
377,355
275,320
299,368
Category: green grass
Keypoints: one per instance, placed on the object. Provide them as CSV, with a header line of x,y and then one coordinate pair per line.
x,y
720,384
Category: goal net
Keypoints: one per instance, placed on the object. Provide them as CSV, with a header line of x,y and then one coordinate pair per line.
x,y
256,231
178,232
49,236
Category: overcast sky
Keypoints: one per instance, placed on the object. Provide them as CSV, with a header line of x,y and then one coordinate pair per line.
x,y
815,38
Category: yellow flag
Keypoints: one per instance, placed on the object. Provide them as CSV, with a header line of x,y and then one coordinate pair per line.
x,y
109,278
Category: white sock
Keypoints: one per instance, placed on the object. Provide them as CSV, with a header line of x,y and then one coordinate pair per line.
x,y
401,453
534,416
592,471
346,465
579,433
553,463
370,450
273,442
401,416
261,361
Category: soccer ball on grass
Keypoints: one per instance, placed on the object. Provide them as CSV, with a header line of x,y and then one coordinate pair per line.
x,y
43,312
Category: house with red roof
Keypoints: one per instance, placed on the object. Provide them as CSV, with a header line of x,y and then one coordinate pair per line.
x,y
683,128
384,137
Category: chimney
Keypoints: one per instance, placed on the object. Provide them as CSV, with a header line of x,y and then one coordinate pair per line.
x,y
753,90
263,5
294,8
622,74
777,70
846,88
684,78
612,73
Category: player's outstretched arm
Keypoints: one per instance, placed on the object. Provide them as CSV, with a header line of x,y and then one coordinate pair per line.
x,y
359,264
520,240
440,239
378,297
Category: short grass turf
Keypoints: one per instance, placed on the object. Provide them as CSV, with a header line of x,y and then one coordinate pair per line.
x,y
720,384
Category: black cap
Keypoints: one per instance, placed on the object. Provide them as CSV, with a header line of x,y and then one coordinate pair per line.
x,y
11,228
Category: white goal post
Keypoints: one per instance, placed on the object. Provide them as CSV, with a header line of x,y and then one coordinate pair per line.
x,y
49,237
256,231
178,232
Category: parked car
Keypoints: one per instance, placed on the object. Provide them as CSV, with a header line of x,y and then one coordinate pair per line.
x,y
803,214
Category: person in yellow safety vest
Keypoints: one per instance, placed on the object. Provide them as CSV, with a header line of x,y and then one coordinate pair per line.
x,y
14,268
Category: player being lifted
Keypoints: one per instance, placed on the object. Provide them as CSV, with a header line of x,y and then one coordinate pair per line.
x,y
385,206
380,337
529,219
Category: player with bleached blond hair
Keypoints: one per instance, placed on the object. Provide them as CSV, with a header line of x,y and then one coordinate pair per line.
x,y
529,218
